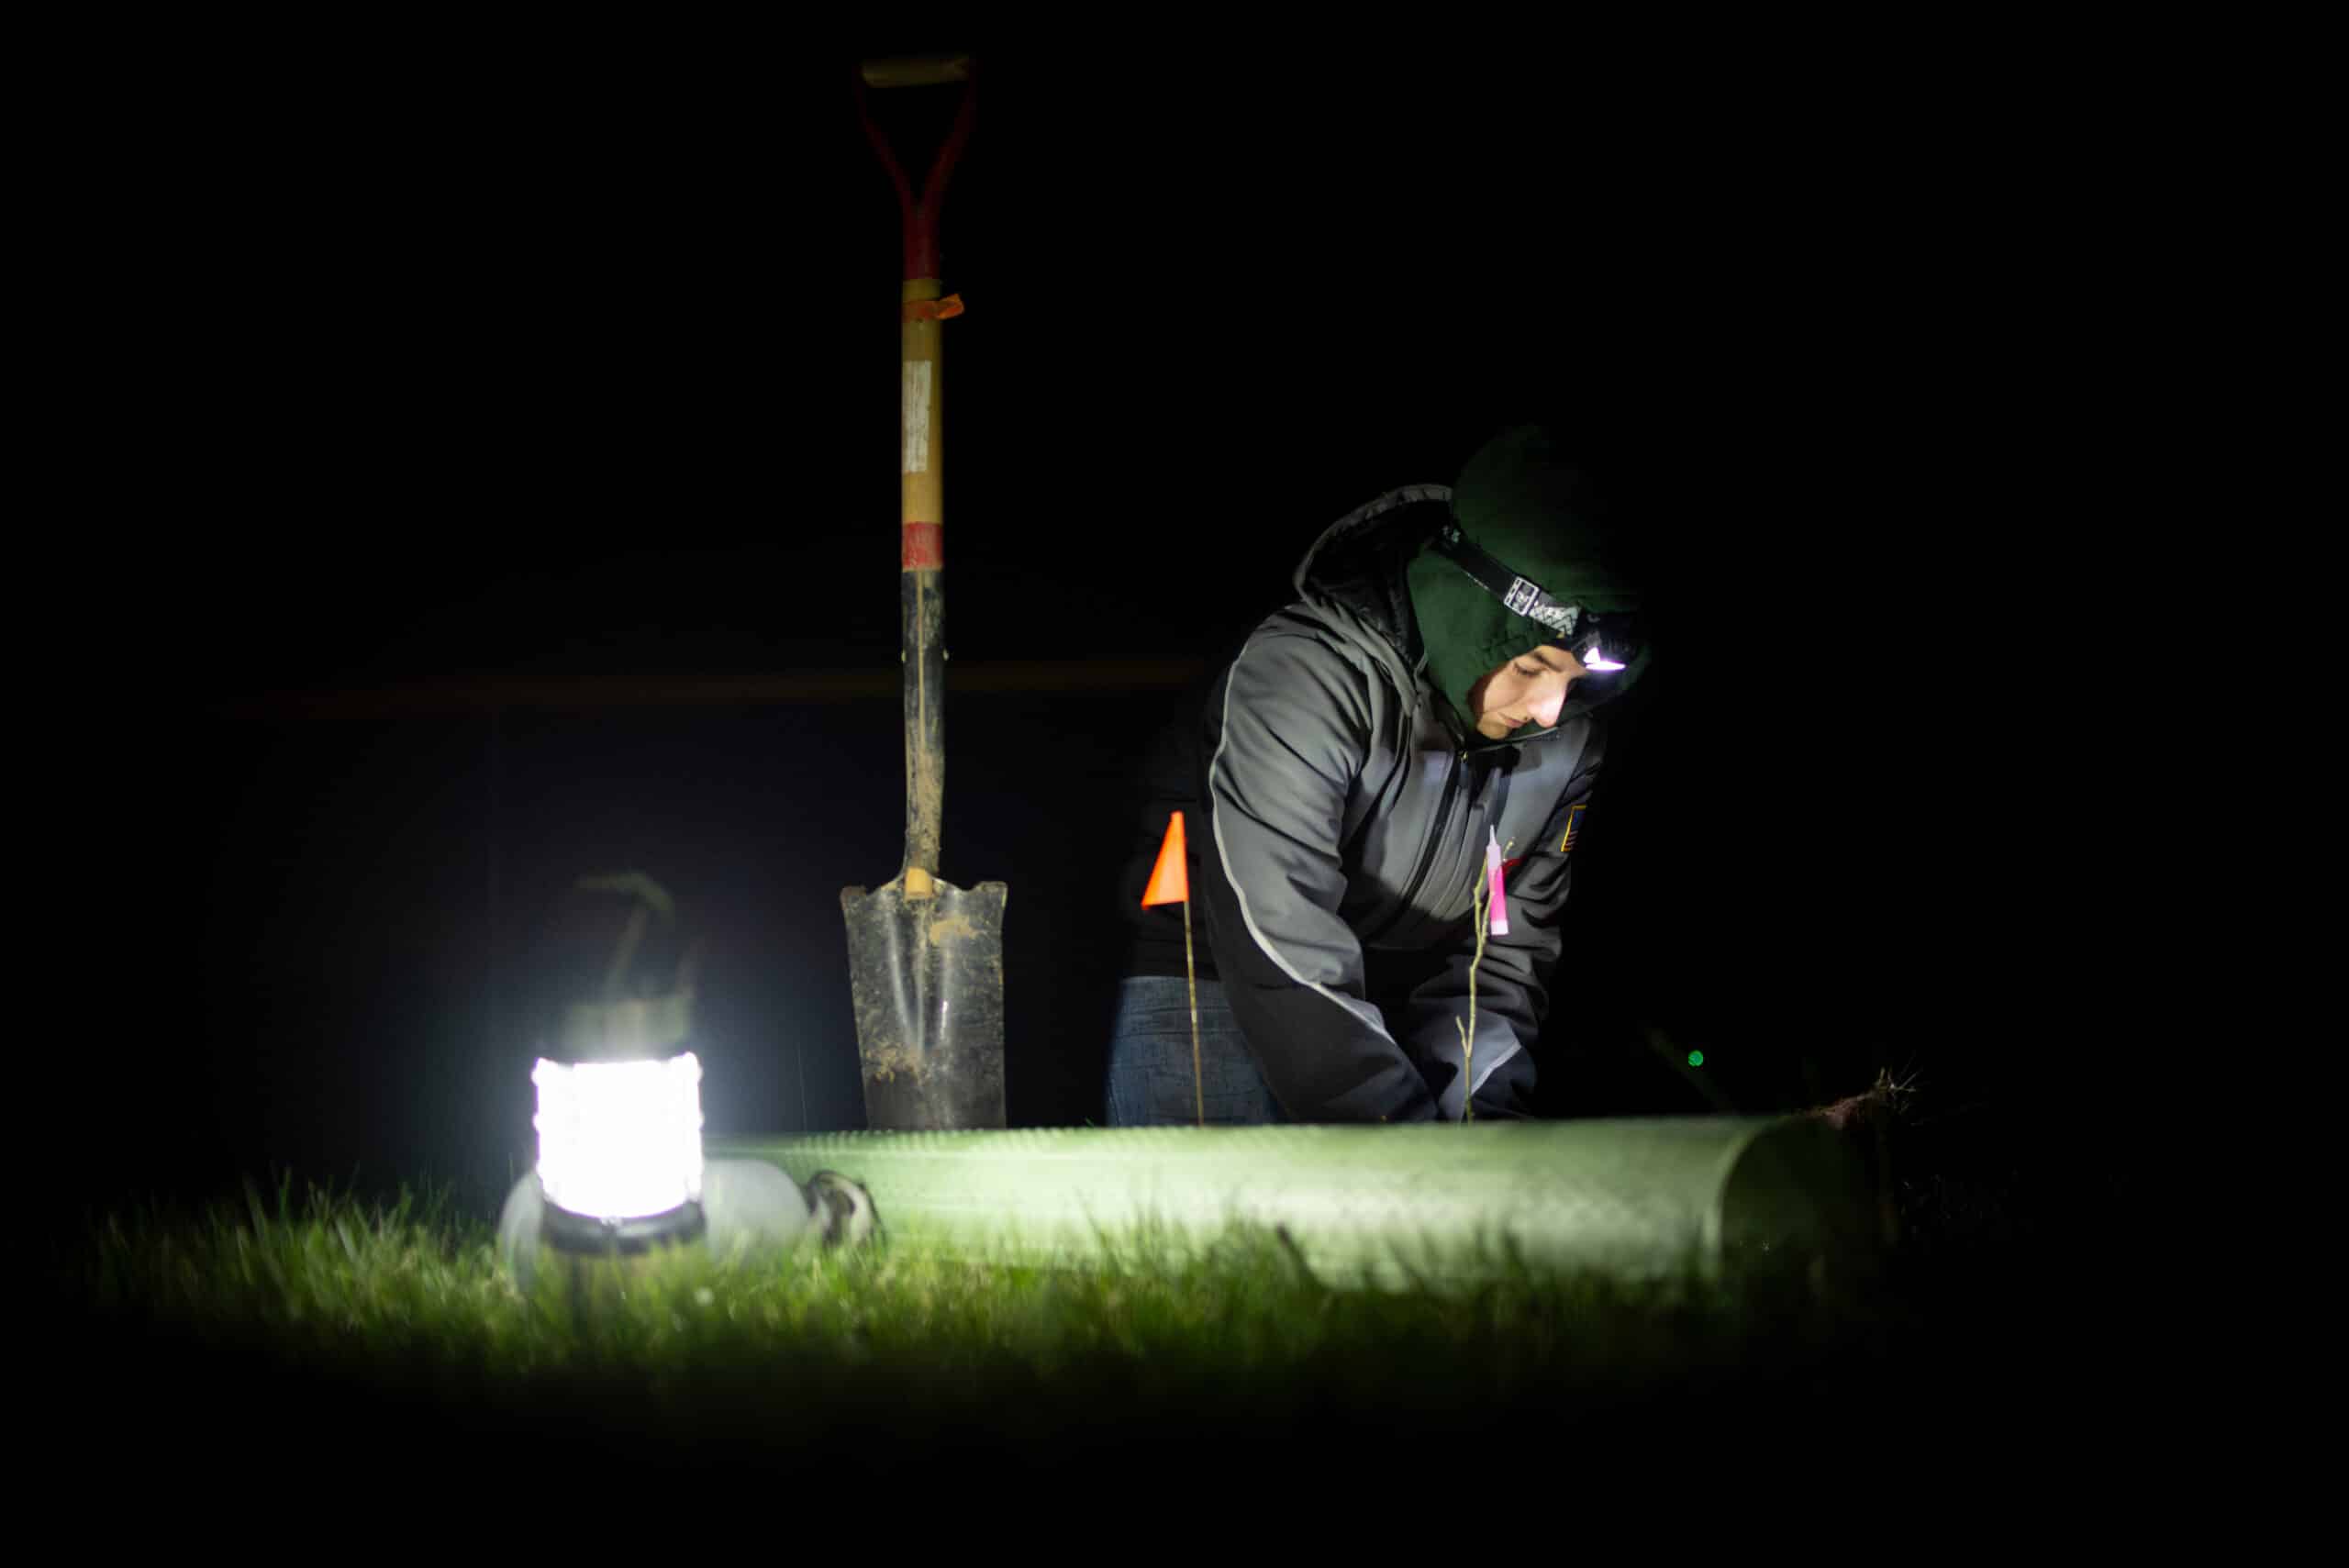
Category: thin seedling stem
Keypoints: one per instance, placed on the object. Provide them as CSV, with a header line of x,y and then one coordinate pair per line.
x,y
1199,1089
1468,1035
1480,900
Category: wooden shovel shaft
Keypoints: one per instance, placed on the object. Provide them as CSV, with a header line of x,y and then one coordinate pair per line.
x,y
922,517
922,572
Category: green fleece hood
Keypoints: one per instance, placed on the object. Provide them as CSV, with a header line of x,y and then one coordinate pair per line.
x,y
1521,501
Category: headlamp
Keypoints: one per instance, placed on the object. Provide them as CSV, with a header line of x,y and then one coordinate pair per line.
x,y
1604,642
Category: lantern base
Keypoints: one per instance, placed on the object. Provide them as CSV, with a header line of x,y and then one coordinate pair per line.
x,y
569,1232
746,1206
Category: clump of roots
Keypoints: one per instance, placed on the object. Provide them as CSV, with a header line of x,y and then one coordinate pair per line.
x,y
1881,1104
1873,1117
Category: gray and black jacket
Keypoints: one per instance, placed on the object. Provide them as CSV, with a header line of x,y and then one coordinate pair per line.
x,y
1336,816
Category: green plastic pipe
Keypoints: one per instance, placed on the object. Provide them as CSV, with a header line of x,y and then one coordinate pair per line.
x,y
1372,1206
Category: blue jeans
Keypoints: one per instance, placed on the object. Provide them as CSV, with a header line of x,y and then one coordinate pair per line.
x,y
1150,1080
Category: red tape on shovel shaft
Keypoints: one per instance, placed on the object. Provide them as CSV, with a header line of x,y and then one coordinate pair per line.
x,y
922,547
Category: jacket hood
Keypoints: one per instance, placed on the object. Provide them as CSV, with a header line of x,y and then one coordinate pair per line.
x,y
1358,566
1371,566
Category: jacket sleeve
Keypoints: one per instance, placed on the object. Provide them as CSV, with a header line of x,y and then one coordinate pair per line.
x,y
1283,738
1512,980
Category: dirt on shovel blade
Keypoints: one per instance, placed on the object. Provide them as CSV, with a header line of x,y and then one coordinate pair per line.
x,y
927,979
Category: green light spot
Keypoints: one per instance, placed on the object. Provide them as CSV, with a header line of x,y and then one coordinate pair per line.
x,y
1696,1058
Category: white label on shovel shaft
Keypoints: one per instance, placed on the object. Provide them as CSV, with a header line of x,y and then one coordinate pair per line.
x,y
914,420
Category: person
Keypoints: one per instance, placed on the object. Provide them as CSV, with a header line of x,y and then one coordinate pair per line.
x,y
1440,681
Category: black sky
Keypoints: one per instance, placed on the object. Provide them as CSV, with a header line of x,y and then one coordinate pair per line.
x,y
575,357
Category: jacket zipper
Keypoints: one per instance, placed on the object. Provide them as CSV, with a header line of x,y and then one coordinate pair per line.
x,y
1460,755
1427,850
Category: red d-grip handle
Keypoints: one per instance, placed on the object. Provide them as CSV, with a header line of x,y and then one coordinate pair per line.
x,y
919,216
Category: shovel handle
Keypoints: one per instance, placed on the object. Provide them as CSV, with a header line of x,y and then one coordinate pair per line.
x,y
915,70
918,214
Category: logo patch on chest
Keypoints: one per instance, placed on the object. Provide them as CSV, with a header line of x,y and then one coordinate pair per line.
x,y
1573,826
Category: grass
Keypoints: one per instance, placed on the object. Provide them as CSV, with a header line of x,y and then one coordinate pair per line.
x,y
391,1325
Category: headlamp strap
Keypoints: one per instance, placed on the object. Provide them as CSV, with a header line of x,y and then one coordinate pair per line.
x,y
1521,595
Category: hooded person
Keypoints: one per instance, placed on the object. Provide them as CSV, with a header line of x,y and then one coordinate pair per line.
x,y
1438,684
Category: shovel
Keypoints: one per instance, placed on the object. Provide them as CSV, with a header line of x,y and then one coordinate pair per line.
x,y
925,958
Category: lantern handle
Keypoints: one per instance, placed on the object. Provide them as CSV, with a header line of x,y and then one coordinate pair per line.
x,y
656,898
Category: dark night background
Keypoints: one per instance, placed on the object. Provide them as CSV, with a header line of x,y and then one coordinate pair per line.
x,y
455,417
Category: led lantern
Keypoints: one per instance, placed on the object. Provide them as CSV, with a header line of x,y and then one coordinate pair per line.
x,y
620,1141
620,1165
619,1175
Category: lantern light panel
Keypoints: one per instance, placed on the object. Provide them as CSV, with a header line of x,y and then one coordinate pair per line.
x,y
619,1140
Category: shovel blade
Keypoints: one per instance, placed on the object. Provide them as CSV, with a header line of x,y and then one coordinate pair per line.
x,y
927,978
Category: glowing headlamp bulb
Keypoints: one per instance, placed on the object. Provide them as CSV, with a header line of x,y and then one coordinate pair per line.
x,y
1597,659
619,1140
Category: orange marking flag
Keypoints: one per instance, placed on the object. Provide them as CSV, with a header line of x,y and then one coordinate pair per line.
x,y
1170,879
